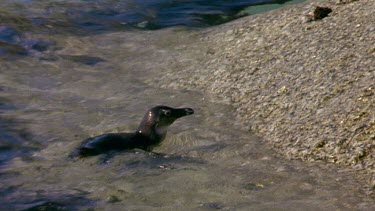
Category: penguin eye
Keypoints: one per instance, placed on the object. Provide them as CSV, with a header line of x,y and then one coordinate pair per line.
x,y
167,113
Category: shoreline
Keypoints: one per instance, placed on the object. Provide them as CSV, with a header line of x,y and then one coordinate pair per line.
x,y
77,87
307,88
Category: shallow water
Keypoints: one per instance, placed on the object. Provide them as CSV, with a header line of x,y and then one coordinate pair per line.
x,y
20,18
106,15
86,86
56,89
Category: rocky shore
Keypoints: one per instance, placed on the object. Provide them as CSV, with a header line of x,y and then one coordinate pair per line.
x,y
306,85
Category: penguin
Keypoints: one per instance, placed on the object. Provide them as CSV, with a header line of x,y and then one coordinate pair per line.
x,y
150,133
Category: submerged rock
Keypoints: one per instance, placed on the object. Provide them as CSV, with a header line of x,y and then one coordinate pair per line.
x,y
87,60
14,44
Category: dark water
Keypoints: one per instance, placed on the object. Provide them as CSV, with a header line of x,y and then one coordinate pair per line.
x,y
151,14
105,15
88,17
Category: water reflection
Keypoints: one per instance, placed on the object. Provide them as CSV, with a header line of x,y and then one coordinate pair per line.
x,y
87,17
19,18
15,140
14,44
48,201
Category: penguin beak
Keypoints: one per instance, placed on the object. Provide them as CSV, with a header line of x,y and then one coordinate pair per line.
x,y
180,112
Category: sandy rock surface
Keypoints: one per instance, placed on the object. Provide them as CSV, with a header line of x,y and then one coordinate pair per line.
x,y
306,86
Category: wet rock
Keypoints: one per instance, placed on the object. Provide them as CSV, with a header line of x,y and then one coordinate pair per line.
x,y
113,199
167,166
254,186
213,205
318,13
48,206
41,46
142,24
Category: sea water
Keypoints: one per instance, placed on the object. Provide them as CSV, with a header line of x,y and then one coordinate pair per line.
x,y
74,69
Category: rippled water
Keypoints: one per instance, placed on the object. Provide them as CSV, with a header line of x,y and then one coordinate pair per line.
x,y
87,17
59,89
104,15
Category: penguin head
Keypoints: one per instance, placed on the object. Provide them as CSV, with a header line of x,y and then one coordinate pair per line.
x,y
160,117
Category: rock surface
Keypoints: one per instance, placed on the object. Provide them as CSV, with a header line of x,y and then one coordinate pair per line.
x,y
308,88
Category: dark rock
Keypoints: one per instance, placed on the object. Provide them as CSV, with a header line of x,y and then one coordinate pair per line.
x,y
41,46
319,13
113,199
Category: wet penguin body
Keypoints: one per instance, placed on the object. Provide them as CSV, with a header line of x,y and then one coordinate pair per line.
x,y
150,133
